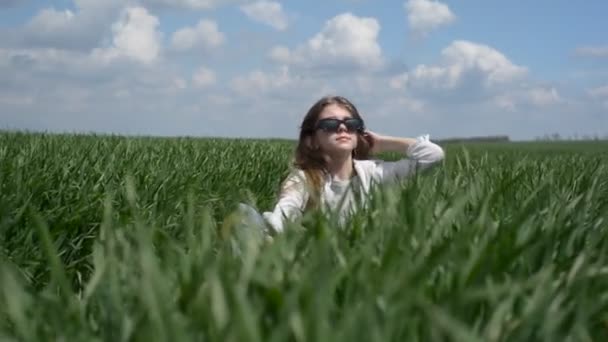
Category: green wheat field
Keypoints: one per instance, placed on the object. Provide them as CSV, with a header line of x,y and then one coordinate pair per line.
x,y
108,238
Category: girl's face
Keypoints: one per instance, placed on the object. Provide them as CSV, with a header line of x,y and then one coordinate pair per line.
x,y
341,142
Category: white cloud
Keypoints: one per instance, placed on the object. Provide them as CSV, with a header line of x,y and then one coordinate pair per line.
x,y
467,56
280,54
426,15
81,28
528,96
267,12
401,104
52,62
63,90
345,41
399,81
203,77
463,62
471,73
50,19
472,89
592,51
205,34
189,4
505,101
286,87
258,81
135,37
544,96
180,83
599,92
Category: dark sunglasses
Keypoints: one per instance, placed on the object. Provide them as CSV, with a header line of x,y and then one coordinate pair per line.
x,y
332,125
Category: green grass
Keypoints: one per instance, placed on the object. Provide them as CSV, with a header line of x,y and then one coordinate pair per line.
x,y
113,238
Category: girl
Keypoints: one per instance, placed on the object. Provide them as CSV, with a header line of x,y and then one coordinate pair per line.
x,y
332,164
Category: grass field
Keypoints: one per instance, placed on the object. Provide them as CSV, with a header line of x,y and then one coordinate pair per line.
x,y
133,239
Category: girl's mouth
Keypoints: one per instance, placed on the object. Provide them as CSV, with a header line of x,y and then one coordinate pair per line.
x,y
343,138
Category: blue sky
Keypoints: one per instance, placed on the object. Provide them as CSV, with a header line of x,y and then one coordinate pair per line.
x,y
240,68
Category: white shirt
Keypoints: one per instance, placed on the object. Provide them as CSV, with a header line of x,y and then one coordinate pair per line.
x,y
341,196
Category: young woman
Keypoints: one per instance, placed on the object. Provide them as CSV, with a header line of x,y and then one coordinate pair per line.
x,y
332,170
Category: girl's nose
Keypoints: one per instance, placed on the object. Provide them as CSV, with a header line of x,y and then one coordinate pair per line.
x,y
342,128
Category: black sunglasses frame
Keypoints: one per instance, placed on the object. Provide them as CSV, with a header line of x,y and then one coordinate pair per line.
x,y
333,125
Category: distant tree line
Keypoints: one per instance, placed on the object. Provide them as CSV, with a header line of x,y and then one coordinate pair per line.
x,y
505,138
490,138
576,136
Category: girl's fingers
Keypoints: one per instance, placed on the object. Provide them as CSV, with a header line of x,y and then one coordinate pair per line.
x,y
369,138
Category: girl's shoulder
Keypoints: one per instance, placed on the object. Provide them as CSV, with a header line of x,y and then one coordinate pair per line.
x,y
295,178
295,173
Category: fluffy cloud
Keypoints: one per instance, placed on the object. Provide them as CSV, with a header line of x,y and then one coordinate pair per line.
x,y
280,54
528,96
204,35
35,59
51,27
544,96
135,36
599,92
50,19
267,12
287,88
80,29
59,84
258,81
63,90
203,77
592,51
475,74
346,41
426,15
188,4
463,62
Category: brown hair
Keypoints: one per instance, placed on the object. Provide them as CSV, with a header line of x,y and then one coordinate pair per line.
x,y
309,159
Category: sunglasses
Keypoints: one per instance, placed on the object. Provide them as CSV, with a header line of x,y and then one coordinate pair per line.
x,y
332,125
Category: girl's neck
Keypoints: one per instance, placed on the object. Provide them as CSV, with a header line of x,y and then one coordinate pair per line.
x,y
340,167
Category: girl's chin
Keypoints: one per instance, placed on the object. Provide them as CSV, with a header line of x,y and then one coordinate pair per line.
x,y
342,149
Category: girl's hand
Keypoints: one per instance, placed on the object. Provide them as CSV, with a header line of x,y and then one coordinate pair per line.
x,y
374,141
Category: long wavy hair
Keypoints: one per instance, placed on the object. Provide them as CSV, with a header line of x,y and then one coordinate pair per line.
x,y
309,157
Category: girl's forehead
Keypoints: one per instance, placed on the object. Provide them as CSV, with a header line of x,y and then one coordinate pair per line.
x,y
335,111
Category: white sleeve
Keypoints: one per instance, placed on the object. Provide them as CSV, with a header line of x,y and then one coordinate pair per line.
x,y
291,202
420,156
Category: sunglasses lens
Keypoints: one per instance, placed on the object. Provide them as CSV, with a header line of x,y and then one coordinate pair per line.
x,y
332,125
353,124
329,125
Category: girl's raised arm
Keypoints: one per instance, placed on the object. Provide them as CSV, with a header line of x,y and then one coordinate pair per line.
x,y
421,153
